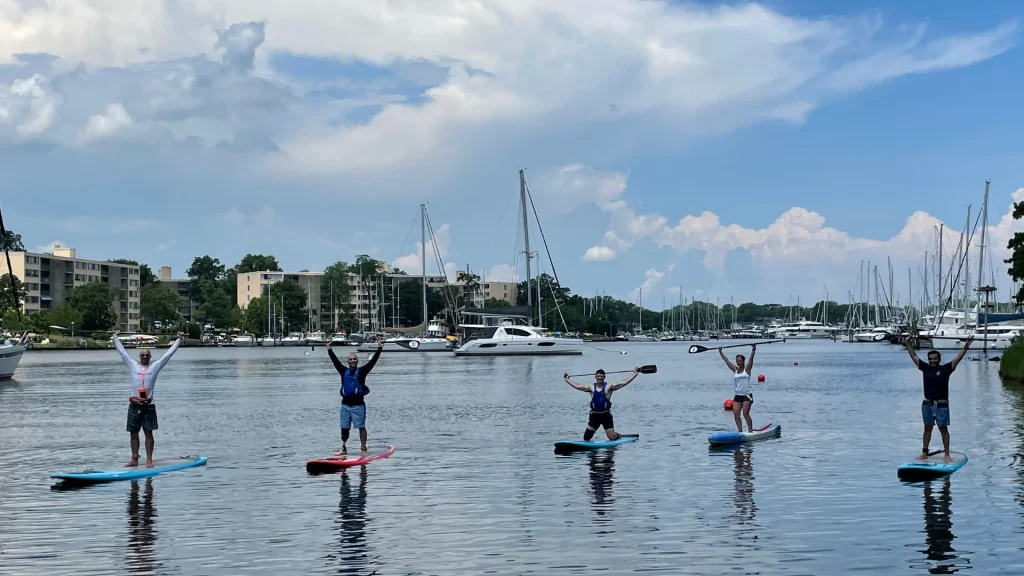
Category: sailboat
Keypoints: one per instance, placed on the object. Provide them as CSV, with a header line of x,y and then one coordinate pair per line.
x,y
638,335
433,338
11,350
499,334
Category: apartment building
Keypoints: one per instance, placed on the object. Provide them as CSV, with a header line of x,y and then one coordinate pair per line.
x,y
364,297
187,306
49,277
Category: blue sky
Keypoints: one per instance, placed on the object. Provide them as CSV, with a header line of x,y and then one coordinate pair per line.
x,y
757,152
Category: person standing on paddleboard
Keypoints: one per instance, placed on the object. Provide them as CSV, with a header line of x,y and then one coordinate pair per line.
x,y
935,406
353,389
601,403
743,391
141,410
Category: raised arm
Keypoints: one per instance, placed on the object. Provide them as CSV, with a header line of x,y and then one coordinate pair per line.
x,y
120,350
617,385
727,361
373,361
750,363
334,360
576,385
913,354
963,351
158,364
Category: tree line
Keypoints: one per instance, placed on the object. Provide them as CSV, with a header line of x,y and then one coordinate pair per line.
x,y
212,296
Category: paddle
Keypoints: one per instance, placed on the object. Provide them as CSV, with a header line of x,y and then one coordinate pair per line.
x,y
696,348
649,369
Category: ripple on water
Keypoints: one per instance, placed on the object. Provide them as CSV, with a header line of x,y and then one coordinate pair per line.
x,y
474,486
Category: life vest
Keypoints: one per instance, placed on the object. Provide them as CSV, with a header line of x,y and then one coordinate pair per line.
x,y
350,385
599,401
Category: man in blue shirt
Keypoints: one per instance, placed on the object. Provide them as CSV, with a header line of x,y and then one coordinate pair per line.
x,y
935,406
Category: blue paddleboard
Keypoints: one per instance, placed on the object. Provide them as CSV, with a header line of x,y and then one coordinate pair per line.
x,y
574,445
934,466
160,466
733,437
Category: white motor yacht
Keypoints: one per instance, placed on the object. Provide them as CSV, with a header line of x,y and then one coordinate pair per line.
x,y
11,351
294,339
508,339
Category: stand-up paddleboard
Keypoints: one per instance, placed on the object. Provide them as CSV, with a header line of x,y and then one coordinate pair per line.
x,y
564,446
161,466
335,463
935,466
767,431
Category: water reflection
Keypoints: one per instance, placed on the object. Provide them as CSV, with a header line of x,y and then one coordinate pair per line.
x,y
141,550
602,468
938,528
353,553
743,470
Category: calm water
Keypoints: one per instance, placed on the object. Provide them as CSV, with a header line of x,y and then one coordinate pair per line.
x,y
474,486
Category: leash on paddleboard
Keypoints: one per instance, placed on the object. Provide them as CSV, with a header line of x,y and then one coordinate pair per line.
x,y
648,369
696,348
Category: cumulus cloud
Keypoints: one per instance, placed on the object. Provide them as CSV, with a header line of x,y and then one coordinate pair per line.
x,y
437,246
177,69
598,253
501,273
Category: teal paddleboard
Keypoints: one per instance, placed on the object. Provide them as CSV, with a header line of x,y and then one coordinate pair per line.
x,y
563,446
935,466
134,473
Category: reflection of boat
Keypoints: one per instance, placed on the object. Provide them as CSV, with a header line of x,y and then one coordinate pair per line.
x,y
11,352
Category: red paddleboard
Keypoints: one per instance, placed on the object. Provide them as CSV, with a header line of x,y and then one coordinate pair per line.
x,y
335,463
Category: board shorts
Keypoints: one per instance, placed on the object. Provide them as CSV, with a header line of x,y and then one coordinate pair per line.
x,y
741,398
599,419
141,416
352,416
935,412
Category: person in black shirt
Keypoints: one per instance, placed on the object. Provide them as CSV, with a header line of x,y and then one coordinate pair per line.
x,y
935,406
353,388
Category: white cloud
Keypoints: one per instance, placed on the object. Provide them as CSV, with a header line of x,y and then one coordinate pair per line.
x,y
113,119
179,69
49,248
598,253
437,246
501,273
652,279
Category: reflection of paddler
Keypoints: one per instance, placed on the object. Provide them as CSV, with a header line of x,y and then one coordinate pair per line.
x,y
602,468
352,521
938,525
744,472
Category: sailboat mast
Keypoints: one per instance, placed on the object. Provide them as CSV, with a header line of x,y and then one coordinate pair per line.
x,y
526,242
423,258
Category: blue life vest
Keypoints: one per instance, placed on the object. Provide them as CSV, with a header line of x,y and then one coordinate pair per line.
x,y
350,385
599,401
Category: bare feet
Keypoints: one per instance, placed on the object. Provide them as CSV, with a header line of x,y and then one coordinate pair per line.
x,y
948,459
922,456
365,447
133,462
149,462
341,452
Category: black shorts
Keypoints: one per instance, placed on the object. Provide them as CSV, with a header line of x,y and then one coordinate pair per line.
x,y
741,399
598,419
141,416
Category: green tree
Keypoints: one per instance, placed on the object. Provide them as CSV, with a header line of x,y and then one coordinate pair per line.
x,y
95,301
294,299
255,317
410,302
39,321
11,298
257,263
11,321
146,275
65,315
470,285
11,242
159,303
496,303
205,268
1016,259
215,306
336,291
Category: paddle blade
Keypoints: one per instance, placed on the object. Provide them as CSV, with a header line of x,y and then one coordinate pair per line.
x,y
695,349
649,369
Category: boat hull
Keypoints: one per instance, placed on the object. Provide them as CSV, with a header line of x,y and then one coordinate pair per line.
x,y
10,356
410,345
522,347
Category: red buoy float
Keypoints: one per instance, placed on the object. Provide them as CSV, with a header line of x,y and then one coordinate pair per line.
x,y
760,377
728,404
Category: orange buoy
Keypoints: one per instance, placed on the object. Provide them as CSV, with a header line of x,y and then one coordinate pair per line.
x,y
760,377
728,404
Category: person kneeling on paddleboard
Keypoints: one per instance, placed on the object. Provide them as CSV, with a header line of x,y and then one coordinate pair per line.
x,y
743,391
141,411
935,406
353,389
601,403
